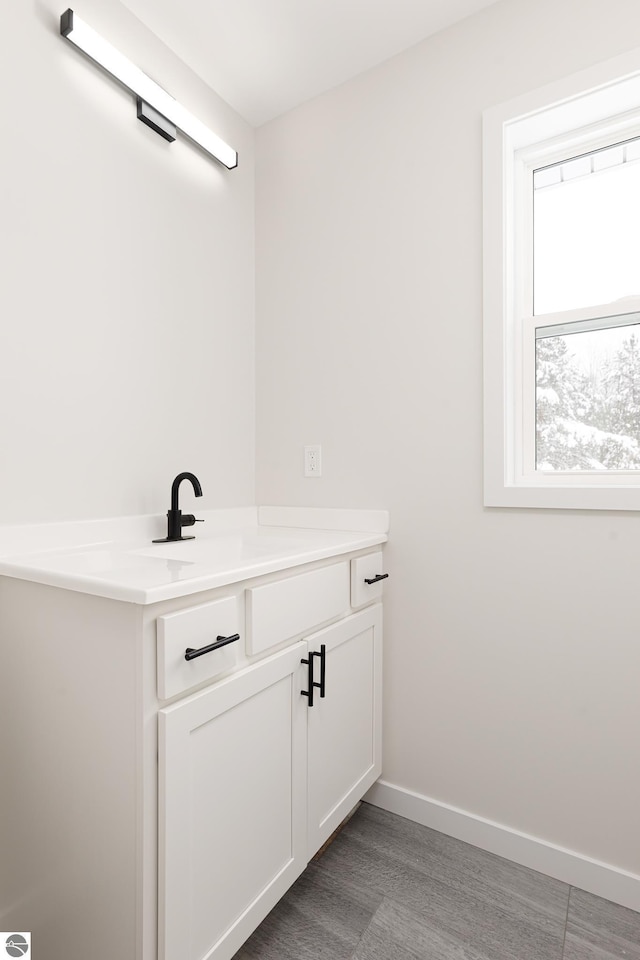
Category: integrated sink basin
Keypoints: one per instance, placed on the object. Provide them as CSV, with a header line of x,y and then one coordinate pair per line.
x,y
230,549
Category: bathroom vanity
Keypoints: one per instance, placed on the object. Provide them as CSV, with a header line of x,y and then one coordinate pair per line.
x,y
184,725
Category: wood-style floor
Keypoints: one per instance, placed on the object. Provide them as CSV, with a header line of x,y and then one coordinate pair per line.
x,y
390,889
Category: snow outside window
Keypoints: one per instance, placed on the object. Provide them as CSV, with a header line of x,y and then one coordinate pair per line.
x,y
562,294
586,250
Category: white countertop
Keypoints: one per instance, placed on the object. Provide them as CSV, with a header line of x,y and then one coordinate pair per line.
x,y
116,558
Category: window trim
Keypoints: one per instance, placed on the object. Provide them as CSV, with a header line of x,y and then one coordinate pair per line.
x,y
588,108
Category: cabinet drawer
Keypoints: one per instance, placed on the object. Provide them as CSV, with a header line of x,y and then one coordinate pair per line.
x,y
196,627
366,568
288,608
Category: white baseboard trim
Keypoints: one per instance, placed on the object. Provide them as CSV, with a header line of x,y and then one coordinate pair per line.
x,y
573,868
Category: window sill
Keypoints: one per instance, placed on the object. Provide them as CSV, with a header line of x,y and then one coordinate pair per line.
x,y
551,494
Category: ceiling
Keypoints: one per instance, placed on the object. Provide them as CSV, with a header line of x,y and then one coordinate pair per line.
x,y
266,56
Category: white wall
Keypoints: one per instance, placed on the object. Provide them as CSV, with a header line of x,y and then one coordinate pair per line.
x,y
512,657
126,276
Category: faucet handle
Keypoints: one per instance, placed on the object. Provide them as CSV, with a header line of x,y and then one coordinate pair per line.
x,y
188,520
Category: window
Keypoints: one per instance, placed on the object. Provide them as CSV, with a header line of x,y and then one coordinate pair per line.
x,y
562,294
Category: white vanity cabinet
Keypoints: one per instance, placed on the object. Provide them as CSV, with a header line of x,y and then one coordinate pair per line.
x,y
159,809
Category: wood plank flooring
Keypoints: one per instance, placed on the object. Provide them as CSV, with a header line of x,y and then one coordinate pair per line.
x,y
390,889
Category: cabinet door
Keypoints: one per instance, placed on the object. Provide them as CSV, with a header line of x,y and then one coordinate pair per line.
x,y
232,811
344,726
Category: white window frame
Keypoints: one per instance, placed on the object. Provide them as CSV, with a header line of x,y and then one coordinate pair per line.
x,y
584,112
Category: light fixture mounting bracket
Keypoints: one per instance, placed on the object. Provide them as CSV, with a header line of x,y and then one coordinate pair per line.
x,y
154,119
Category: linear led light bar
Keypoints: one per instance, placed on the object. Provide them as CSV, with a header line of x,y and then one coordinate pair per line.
x,y
163,106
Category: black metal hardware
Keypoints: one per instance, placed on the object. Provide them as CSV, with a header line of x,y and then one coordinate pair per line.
x,y
191,654
66,23
377,578
154,119
311,683
309,693
188,520
175,520
323,664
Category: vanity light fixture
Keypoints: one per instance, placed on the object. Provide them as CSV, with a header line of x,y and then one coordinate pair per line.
x,y
156,107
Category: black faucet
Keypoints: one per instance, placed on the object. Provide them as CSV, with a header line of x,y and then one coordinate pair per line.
x,y
175,520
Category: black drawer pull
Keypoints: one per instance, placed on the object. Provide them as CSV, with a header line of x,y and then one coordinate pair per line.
x,y
377,578
191,654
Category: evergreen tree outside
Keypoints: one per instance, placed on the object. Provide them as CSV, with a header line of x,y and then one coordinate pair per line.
x,y
587,421
623,390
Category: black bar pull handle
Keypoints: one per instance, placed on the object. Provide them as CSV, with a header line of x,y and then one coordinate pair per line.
x,y
377,578
310,683
323,664
191,654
